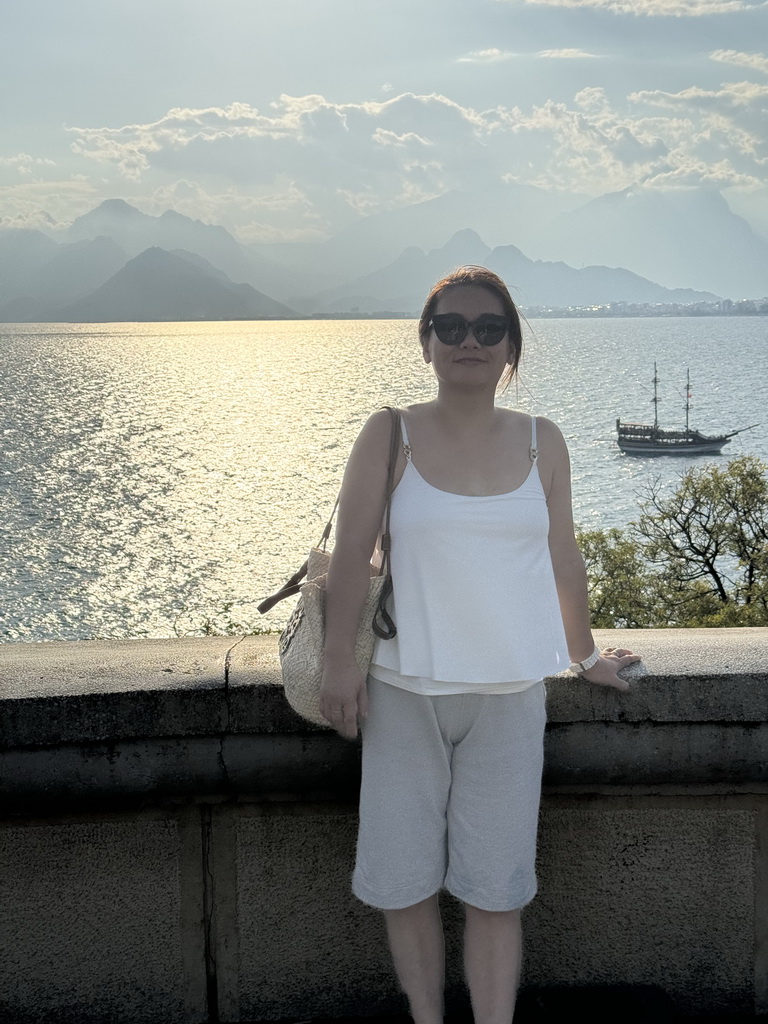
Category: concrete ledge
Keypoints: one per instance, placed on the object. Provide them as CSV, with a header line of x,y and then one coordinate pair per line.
x,y
53,693
142,719
98,690
176,844
688,675
161,771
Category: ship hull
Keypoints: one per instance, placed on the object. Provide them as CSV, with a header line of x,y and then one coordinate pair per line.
x,y
673,448
639,439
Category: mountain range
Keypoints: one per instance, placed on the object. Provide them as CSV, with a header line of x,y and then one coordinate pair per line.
x,y
408,279
638,246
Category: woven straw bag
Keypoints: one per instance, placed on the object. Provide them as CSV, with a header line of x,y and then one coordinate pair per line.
x,y
303,639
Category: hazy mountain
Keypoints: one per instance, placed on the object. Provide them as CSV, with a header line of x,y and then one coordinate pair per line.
x,y
402,285
501,214
37,276
539,283
24,310
159,285
76,269
135,231
683,238
22,253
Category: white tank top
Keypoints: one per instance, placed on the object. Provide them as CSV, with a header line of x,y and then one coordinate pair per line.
x,y
474,597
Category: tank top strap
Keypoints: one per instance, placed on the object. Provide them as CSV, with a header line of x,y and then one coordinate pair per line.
x,y
406,441
534,451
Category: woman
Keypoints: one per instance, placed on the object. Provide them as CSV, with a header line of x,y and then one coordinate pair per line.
x,y
489,597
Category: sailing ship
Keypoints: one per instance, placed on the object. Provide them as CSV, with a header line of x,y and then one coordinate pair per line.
x,y
647,439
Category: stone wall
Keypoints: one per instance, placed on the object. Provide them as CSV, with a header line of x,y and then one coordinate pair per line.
x,y
176,845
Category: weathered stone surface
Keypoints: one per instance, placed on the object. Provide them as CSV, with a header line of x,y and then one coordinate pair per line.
x,y
673,890
101,921
87,691
687,675
207,715
645,753
310,886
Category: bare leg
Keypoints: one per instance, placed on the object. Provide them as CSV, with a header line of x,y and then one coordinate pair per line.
x,y
418,951
492,955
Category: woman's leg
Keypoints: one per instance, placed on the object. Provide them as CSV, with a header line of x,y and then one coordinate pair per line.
x,y
492,957
418,951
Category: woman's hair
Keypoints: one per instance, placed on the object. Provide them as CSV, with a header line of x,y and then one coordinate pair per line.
x,y
480,277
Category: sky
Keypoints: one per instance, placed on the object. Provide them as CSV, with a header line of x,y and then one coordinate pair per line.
x,y
288,120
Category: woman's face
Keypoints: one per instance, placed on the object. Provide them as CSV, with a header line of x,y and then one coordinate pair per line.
x,y
468,362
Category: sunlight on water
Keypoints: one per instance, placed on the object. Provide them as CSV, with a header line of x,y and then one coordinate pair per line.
x,y
154,477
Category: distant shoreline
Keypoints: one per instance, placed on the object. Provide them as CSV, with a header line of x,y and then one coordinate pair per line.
x,y
535,313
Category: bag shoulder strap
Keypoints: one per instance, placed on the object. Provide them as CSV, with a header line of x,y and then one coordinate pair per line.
x,y
383,625
292,586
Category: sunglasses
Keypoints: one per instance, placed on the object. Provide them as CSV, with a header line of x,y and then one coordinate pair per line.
x,y
452,328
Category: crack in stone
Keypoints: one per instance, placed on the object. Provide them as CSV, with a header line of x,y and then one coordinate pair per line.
x,y
228,722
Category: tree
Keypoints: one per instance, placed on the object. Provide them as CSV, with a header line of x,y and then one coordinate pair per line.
x,y
708,542
695,557
621,590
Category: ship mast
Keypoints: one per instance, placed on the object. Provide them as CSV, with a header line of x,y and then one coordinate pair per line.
x,y
655,398
687,397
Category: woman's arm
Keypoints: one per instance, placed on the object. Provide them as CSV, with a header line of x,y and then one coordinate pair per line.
x,y
568,564
343,692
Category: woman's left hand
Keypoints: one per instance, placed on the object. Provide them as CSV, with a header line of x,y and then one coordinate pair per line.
x,y
605,672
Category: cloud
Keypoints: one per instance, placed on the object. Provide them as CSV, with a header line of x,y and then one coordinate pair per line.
x,y
283,213
584,147
755,61
492,56
592,99
388,138
304,166
328,163
25,164
45,205
694,174
303,137
565,54
730,96
719,134
658,8
130,146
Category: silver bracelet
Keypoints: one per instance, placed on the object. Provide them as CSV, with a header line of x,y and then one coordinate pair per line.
x,y
580,667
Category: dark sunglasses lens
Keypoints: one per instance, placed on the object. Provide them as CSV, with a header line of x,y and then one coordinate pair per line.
x,y
451,330
489,330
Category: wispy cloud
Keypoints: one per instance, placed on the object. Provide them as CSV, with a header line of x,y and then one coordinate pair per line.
x,y
565,54
658,8
731,95
25,164
46,205
755,61
492,56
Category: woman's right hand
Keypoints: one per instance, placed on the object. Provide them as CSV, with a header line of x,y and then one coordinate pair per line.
x,y
343,696
605,672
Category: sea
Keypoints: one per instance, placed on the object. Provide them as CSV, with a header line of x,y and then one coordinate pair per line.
x,y
158,480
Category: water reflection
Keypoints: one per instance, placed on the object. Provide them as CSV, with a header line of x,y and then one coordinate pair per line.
x,y
156,476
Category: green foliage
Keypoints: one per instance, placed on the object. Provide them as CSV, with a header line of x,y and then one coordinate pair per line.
x,y
620,591
695,557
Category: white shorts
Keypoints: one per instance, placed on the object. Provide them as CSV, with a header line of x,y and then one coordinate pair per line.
x,y
450,797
